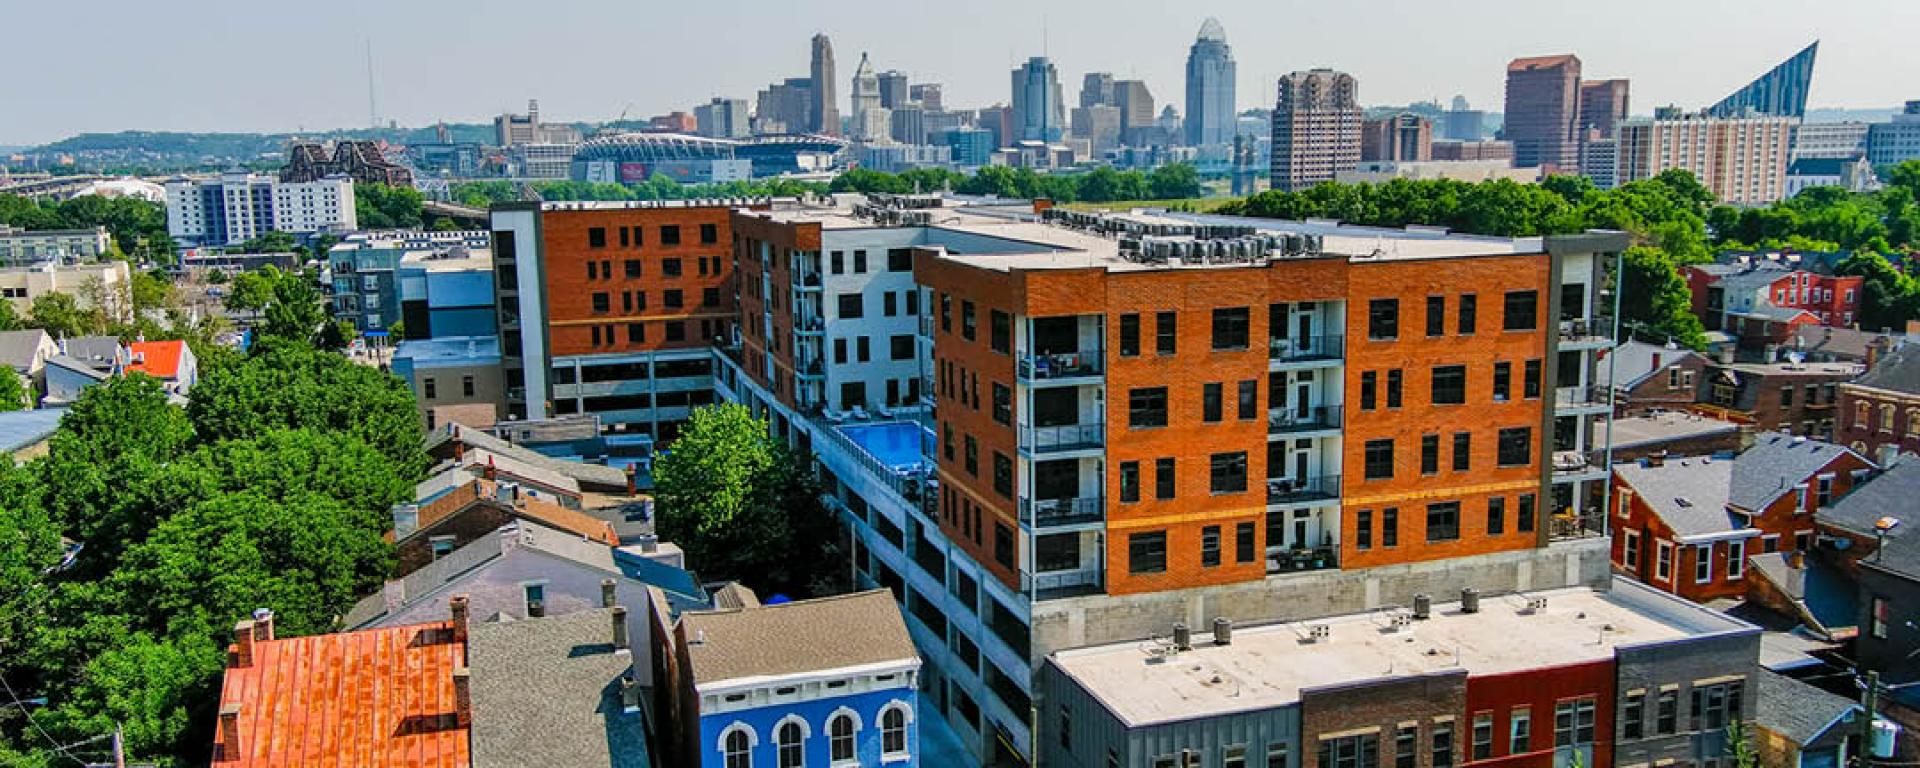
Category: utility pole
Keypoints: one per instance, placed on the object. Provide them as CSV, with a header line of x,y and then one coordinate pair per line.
x,y
1868,694
119,748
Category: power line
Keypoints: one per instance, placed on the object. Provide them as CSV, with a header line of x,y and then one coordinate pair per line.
x,y
36,725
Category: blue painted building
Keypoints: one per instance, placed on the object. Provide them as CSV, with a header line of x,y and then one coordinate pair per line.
x,y
824,682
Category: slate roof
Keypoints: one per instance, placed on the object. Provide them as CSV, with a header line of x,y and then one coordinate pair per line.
x,y
20,348
586,474
373,697
1897,371
425,581
95,350
547,692
816,635
1753,277
1636,361
19,429
1888,494
1796,710
1774,465
79,366
1836,343
1689,495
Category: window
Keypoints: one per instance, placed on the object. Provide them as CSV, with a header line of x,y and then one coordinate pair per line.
x,y
1163,478
792,749
1147,407
1406,746
1363,530
1882,617
972,455
1383,319
1524,515
1210,402
1573,723
670,267
1003,545
893,731
1436,315
1000,331
1234,756
1429,454
1521,312
1736,559
900,347
1786,396
1277,755
1443,521
1450,385
1129,481
1483,736
596,238
602,303
968,328
1369,387
840,737
709,233
1357,751
1390,527
1633,716
1516,446
1532,383
427,384
1249,399
1243,543
1462,451
1519,731
1469,308
859,262
1379,459
1713,706
1502,382
889,306
1630,551
838,262
1663,560
1702,563
1002,474
1166,329
442,546
899,259
1667,712
1129,335
670,235
1230,328
852,306
1210,546
739,745
1147,552
672,298
1002,403
1393,388
1496,515
1442,745
632,267
1229,472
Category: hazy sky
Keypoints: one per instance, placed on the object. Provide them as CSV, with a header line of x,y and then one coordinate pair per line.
x,y
272,65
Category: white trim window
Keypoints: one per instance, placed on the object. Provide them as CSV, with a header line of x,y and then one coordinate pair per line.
x,y
843,735
736,745
1702,563
1736,559
1630,551
790,742
894,718
1663,561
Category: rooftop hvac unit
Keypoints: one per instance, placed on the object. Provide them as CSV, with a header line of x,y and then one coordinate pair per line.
x,y
1536,604
1182,637
1422,606
1319,632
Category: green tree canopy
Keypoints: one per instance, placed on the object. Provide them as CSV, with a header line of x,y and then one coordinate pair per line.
x,y
1655,303
287,385
378,206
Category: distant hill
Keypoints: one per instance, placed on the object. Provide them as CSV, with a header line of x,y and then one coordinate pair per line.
x,y
179,150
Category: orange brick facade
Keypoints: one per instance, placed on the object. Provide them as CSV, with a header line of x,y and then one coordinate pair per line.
x,y
765,255
616,282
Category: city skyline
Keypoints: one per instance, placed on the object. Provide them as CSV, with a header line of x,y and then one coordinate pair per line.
x,y
124,85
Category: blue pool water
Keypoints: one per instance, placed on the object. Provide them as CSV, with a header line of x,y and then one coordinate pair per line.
x,y
896,444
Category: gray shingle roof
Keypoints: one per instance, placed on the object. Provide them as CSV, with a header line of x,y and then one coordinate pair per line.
x,y
1898,371
1753,278
1795,709
1689,495
19,429
597,475
1636,361
792,638
20,348
426,580
1774,465
1888,494
1831,342
547,692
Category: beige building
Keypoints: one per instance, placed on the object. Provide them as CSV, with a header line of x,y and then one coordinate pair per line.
x,y
1461,170
1743,160
1316,128
107,284
20,247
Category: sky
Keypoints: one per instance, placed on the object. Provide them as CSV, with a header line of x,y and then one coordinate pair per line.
x,y
274,65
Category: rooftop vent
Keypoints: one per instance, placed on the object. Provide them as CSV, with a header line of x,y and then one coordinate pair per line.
x,y
1319,632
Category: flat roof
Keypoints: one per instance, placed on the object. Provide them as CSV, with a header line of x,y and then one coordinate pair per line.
x,y
1661,427
1777,369
1269,666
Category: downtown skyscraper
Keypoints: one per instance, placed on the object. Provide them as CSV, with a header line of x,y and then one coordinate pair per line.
x,y
1543,109
1038,114
1316,128
1210,83
826,107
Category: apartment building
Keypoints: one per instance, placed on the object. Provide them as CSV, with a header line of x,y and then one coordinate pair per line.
x,y
1880,411
19,248
1316,128
610,308
1742,160
236,207
1143,418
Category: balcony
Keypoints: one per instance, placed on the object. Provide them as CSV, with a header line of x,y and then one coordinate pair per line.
x,y
810,327
1034,369
1577,466
807,281
1584,333
1288,421
1306,349
1282,490
1569,524
1045,513
1300,559
1064,439
1568,401
811,370
1074,583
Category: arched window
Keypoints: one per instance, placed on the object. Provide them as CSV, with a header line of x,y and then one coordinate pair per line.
x,y
893,730
1886,418
737,747
840,736
1913,422
792,745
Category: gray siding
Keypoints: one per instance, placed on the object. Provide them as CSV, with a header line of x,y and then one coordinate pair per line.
x,y
1096,732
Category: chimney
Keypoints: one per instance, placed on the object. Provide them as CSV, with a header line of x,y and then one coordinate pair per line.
x,y
230,732
1797,559
406,519
629,693
395,594
242,645
458,606
606,593
632,486
462,696
490,471
649,544
459,448
1656,361
620,639
262,624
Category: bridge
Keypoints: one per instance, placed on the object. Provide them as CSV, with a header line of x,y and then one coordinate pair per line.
x,y
55,186
433,210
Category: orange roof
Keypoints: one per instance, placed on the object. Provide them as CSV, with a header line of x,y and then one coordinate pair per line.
x,y
1541,61
372,697
543,512
159,359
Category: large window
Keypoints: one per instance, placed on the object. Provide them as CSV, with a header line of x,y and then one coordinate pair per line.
x,y
1714,706
1230,328
852,306
1379,459
1521,311
1436,315
1147,552
792,747
1383,319
1210,406
1229,472
1573,723
1358,751
1443,521
893,731
739,749
1449,385
1516,446
1166,331
1147,407
840,737
1129,335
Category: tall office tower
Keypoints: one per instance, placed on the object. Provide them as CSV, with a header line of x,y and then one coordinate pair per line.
x,y
893,88
1462,122
1136,110
722,119
1742,160
785,107
866,98
1603,105
1038,114
1895,142
826,92
510,129
998,120
1096,89
928,94
1543,107
1402,137
1781,91
1316,128
1099,125
611,309
1210,82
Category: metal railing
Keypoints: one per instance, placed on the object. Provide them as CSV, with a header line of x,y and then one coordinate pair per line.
x,y
1040,513
1287,419
1281,490
810,326
1579,397
1067,583
1575,462
1298,559
1072,437
1327,347
807,280
1567,525
1044,367
1581,330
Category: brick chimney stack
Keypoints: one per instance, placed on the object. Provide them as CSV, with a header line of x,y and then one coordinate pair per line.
x,y
242,645
620,639
262,624
458,605
633,487
230,732
463,696
606,593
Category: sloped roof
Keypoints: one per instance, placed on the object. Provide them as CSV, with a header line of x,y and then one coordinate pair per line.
x,y
547,692
1838,343
586,474
19,429
1753,277
159,359
425,580
78,366
372,697
1689,495
1637,361
1770,311
96,350
1893,489
20,349
826,633
1796,710
482,491
1897,371
1774,465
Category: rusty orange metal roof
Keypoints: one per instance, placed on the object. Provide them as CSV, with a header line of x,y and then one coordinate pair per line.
x,y
159,359
373,697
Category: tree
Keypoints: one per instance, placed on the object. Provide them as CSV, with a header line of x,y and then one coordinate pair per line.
x,y
13,393
378,206
273,241
1178,181
104,469
151,290
1654,301
1890,298
59,314
282,384
1740,751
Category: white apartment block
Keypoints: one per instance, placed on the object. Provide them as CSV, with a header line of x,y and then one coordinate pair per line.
x,y
1742,160
20,247
237,207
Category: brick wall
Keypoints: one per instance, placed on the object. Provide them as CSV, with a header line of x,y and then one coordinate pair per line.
x,y
1380,707
1878,421
566,251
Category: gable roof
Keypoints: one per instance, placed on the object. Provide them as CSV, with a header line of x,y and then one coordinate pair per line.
x,y
1897,371
1774,465
95,350
21,349
1767,310
19,429
485,492
547,692
1689,495
1753,277
796,638
1637,361
159,359
1888,494
1796,710
372,697
78,366
1836,343
595,475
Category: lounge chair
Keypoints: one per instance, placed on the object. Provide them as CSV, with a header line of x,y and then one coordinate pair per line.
x,y
885,412
832,416
859,414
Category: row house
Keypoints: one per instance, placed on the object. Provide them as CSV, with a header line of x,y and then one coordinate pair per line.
x,y
1880,410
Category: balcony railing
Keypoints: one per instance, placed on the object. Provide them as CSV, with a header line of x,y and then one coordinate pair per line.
x,y
807,281
1575,462
1297,559
1283,490
1072,437
1584,330
1057,584
810,326
1041,513
1562,526
1579,397
1286,420
1059,366
1294,348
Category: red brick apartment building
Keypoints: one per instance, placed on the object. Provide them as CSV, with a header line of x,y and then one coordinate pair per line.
x,y
1742,298
610,308
1880,411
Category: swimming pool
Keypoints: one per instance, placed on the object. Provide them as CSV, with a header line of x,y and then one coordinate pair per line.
x,y
895,444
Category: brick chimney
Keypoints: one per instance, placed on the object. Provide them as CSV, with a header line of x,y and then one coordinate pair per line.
x,y
620,640
462,696
242,645
633,488
1797,559
230,732
490,471
606,593
458,605
262,624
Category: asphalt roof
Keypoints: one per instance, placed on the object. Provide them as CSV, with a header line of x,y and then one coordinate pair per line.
x,y
1753,277
1774,465
1795,709
19,429
547,692
1689,495
1637,361
1898,371
19,348
1838,343
1888,494
582,472
816,635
